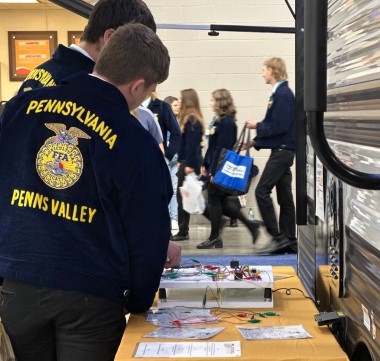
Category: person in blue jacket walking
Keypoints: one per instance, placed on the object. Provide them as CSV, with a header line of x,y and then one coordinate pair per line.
x,y
277,133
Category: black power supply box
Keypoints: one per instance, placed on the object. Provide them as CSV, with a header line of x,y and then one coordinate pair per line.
x,y
327,318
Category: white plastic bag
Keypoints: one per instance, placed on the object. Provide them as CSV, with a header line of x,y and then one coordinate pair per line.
x,y
193,201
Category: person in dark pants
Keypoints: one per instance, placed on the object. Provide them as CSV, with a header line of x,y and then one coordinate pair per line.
x,y
73,249
277,132
233,221
222,135
190,152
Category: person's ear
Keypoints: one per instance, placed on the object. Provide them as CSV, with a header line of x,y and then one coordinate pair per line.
x,y
137,86
108,33
134,92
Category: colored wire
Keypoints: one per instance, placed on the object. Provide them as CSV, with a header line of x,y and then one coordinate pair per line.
x,y
289,292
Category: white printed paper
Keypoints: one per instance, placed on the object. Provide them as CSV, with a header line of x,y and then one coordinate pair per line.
x,y
273,332
188,349
195,333
184,316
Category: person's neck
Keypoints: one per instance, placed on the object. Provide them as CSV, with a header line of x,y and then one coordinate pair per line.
x,y
93,49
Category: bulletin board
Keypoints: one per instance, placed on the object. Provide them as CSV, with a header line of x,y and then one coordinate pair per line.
x,y
27,50
73,37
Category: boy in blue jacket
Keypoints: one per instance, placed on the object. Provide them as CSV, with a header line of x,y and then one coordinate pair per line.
x,y
277,132
105,18
75,248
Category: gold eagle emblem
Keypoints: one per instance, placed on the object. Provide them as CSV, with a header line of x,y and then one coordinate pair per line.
x,y
59,161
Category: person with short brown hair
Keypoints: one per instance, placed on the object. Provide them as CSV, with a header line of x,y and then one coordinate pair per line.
x,y
75,247
105,18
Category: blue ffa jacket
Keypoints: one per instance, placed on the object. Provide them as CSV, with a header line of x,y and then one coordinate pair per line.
x,y
223,134
84,195
168,124
277,130
190,152
64,62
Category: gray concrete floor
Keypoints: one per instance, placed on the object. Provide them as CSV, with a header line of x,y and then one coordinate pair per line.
x,y
236,241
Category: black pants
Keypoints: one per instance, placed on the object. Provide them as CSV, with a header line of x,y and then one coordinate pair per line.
x,y
183,216
219,204
46,324
277,174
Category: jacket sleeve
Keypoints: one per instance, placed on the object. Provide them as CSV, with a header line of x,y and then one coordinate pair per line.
x,y
146,225
175,134
280,117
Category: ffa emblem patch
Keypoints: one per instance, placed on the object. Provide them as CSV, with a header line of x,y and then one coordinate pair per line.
x,y
59,162
270,102
212,130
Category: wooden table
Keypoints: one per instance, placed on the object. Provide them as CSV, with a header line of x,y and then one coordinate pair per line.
x,y
294,309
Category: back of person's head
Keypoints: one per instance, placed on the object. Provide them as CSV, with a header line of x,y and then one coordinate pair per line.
x,y
278,67
170,99
110,14
224,104
134,52
190,107
189,99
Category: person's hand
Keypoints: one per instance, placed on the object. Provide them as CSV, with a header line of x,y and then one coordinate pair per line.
x,y
245,145
251,124
189,170
174,255
204,171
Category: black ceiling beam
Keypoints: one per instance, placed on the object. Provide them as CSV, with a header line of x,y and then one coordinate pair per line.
x,y
78,7
253,29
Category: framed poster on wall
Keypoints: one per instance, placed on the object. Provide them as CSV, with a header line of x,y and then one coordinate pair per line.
x,y
73,37
27,50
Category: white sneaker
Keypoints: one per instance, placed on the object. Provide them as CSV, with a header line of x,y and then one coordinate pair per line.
x,y
175,225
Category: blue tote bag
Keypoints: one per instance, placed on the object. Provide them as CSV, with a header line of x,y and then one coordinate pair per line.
x,y
235,171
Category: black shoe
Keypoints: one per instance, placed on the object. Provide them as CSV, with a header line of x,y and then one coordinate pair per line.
x,y
180,237
233,223
278,245
292,248
289,250
211,243
257,222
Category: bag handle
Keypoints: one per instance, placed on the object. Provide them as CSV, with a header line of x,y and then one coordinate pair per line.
x,y
245,134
